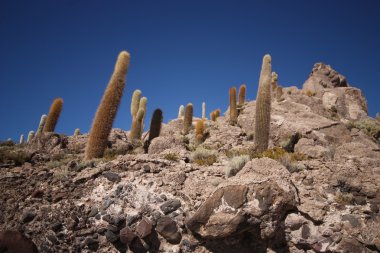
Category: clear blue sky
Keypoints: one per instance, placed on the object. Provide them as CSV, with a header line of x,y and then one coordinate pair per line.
x,y
181,51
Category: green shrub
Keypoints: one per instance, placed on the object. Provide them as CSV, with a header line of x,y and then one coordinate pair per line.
x,y
171,157
368,127
202,156
236,164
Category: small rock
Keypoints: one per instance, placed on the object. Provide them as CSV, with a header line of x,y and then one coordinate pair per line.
x,y
168,229
113,228
52,239
56,226
111,237
94,211
112,176
37,194
360,200
144,228
127,236
28,216
170,206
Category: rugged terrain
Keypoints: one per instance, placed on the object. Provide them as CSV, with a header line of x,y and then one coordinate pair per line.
x,y
316,190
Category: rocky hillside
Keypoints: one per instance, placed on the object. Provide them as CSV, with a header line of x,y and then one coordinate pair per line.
x,y
317,188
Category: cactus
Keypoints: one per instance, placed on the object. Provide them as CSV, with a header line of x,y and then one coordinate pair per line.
x,y
274,79
136,125
213,116
217,113
199,130
155,124
155,128
242,91
135,103
181,112
279,93
30,136
188,120
41,125
203,110
52,118
76,132
106,113
233,107
263,103
22,139
143,102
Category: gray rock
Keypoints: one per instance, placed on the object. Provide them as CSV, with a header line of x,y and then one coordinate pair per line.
x,y
170,206
168,229
112,176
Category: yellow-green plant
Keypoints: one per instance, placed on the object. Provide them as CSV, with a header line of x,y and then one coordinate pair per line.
x,y
135,103
213,116
30,136
199,130
181,112
188,120
53,116
233,106
263,106
41,125
106,113
137,125
143,102
21,139
76,132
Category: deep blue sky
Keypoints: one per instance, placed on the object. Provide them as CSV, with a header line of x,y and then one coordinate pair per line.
x,y
181,51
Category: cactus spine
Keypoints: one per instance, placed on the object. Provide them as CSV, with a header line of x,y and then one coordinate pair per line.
x,y
135,103
188,120
105,115
242,92
53,116
30,136
263,104
233,107
137,125
181,112
203,110
22,139
41,125
76,132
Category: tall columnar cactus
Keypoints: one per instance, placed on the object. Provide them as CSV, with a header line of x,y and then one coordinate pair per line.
x,y
188,120
217,113
135,133
263,104
233,106
30,136
135,103
53,116
242,92
106,113
41,125
213,116
279,93
199,130
274,79
142,105
155,124
22,139
181,112
76,132
203,110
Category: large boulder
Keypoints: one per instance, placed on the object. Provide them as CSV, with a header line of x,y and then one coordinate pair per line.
x,y
255,201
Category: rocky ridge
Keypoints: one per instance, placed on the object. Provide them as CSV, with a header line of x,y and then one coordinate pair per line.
x,y
322,195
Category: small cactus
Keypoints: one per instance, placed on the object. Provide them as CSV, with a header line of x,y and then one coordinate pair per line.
x,y
233,107
279,93
53,116
41,125
242,92
136,125
30,136
188,120
263,104
217,113
203,110
199,130
135,103
22,139
181,112
143,102
76,132
106,113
